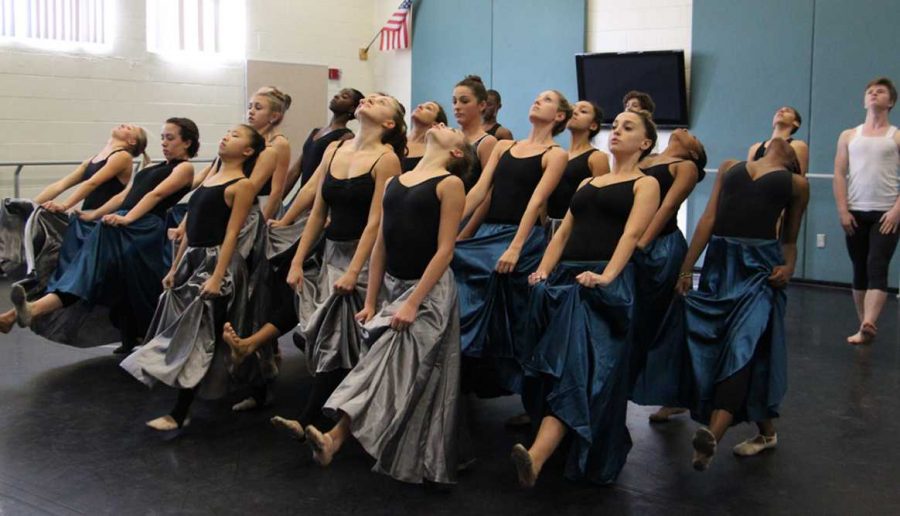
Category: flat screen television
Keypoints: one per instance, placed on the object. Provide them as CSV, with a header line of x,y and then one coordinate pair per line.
x,y
605,78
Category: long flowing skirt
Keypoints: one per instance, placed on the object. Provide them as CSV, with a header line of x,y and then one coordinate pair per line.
x,y
184,348
14,214
734,320
403,395
580,365
326,320
43,238
656,273
117,274
492,307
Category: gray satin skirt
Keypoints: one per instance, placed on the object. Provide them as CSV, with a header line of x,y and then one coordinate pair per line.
x,y
184,348
403,396
43,238
14,214
327,325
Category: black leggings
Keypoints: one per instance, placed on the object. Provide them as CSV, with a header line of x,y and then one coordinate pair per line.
x,y
182,405
323,385
870,251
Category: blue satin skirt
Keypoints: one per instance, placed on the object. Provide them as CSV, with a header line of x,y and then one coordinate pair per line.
x,y
76,233
578,371
656,273
734,320
120,267
492,307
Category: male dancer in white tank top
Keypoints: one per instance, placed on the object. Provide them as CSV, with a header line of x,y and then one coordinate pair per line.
x,y
866,183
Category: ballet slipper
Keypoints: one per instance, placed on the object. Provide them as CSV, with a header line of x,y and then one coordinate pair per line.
x,y
292,427
704,443
167,423
320,444
23,307
664,414
524,466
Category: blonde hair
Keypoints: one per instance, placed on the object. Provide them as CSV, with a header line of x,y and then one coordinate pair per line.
x,y
279,101
140,147
566,109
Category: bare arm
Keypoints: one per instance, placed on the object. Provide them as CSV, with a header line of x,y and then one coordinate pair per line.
x,y
554,164
108,207
705,225
117,164
305,197
839,182
376,278
282,160
685,180
479,192
264,169
181,176
387,167
477,218
801,149
61,185
242,194
293,175
313,227
557,244
599,163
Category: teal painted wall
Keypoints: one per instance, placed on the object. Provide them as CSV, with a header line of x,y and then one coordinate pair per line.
x,y
749,58
518,47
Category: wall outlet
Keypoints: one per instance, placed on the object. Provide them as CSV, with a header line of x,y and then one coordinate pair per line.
x,y
820,240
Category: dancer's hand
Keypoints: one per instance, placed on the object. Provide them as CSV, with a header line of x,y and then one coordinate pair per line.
x,y
404,316
848,222
590,280
54,207
536,277
780,276
346,284
176,234
684,284
115,220
169,280
508,260
366,314
295,276
212,287
889,222
87,216
276,223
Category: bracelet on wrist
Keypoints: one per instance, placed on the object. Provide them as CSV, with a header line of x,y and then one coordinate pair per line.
x,y
685,274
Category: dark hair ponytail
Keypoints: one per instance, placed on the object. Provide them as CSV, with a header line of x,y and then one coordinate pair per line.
x,y
396,136
474,83
258,144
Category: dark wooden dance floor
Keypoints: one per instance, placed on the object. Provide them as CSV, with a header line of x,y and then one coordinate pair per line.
x,y
72,441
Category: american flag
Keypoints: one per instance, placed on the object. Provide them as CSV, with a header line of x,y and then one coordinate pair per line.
x,y
395,33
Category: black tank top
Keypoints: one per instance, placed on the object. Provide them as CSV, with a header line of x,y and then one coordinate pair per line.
x,y
599,216
348,202
408,163
514,181
267,187
493,130
208,215
666,180
412,218
577,170
146,180
748,208
103,192
761,150
475,171
314,150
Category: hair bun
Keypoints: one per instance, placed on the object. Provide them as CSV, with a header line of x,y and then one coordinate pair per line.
x,y
476,78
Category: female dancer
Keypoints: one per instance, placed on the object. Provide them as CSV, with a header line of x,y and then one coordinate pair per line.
x,y
584,159
732,329
123,260
638,100
580,315
785,123
423,118
343,108
489,119
866,194
58,233
265,113
350,194
661,250
204,287
401,399
469,100
492,267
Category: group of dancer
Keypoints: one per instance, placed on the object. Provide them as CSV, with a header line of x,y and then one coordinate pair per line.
x,y
420,270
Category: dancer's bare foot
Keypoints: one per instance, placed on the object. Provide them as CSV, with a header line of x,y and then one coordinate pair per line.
x,y
23,307
664,413
245,405
524,466
865,335
166,424
238,350
704,444
322,445
293,427
7,320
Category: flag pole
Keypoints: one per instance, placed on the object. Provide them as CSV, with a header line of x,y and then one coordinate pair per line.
x,y
364,52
